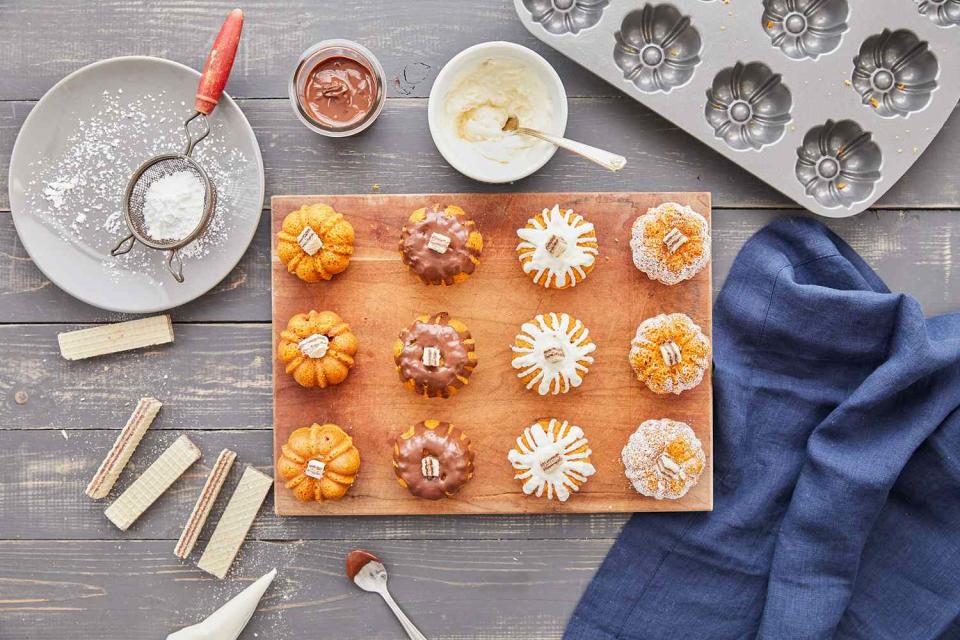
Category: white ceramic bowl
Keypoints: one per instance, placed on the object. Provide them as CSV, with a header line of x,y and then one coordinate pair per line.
x,y
475,167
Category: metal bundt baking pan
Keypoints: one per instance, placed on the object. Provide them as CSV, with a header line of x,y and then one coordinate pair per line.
x,y
828,101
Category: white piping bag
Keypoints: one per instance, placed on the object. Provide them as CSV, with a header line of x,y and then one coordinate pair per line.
x,y
228,621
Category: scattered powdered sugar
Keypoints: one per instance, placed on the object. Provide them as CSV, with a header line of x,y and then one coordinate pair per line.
x,y
79,192
173,206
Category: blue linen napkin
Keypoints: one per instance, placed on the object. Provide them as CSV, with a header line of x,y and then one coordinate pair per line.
x,y
837,467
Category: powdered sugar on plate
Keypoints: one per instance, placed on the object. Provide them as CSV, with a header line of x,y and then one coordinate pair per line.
x,y
79,194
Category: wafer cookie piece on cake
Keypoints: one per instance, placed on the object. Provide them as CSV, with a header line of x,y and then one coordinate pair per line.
x,y
201,510
124,446
155,480
235,522
113,338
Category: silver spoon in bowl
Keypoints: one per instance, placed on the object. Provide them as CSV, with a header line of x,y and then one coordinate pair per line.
x,y
368,573
605,159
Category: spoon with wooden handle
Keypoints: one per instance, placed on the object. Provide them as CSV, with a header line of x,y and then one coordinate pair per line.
x,y
605,159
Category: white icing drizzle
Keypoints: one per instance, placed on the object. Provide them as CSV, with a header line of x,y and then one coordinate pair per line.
x,y
539,359
309,241
314,345
568,258
545,460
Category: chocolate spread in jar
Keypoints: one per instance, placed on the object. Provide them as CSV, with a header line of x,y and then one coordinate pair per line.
x,y
339,92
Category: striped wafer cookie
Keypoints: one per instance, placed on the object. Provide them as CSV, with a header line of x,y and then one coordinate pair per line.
x,y
111,338
201,510
155,480
235,522
124,446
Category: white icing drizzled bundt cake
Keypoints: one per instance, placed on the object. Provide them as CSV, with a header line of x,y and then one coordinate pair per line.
x,y
552,353
552,457
557,248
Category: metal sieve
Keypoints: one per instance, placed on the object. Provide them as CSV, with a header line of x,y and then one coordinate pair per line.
x,y
135,195
216,70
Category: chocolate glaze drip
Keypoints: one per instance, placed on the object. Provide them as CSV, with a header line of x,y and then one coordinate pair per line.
x,y
455,360
357,560
433,267
447,444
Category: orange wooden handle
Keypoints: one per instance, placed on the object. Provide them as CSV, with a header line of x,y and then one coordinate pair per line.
x,y
216,69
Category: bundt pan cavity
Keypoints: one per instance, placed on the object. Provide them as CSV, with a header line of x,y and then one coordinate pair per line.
x,y
748,106
566,16
805,28
944,13
838,163
895,73
657,48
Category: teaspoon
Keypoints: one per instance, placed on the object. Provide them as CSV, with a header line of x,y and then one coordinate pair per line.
x,y
605,159
368,573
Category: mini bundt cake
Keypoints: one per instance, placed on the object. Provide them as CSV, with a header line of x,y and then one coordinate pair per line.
x,y
433,459
552,457
319,462
669,353
315,242
317,348
670,243
435,356
441,246
552,353
663,459
557,248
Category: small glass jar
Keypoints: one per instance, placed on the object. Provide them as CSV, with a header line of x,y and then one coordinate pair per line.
x,y
316,56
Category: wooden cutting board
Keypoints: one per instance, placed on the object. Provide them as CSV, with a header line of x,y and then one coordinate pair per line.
x,y
378,297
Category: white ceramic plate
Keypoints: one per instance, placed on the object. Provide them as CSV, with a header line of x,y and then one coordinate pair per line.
x,y
70,165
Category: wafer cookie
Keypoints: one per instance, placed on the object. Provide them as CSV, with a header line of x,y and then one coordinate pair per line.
x,y
201,510
155,480
235,522
111,338
124,446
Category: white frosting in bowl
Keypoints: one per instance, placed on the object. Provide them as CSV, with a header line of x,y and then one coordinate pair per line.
x,y
483,97
472,98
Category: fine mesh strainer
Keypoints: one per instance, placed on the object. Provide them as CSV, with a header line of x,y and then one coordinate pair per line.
x,y
216,70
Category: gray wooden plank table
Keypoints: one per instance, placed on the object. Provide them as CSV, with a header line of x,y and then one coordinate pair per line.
x,y
65,572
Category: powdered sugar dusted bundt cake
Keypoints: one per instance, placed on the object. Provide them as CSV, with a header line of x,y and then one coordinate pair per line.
x,y
669,353
663,459
670,243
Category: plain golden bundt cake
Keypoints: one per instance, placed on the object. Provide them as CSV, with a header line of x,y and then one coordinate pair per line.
x,y
315,242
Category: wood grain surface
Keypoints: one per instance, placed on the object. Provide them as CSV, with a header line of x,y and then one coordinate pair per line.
x,y
379,297
65,572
